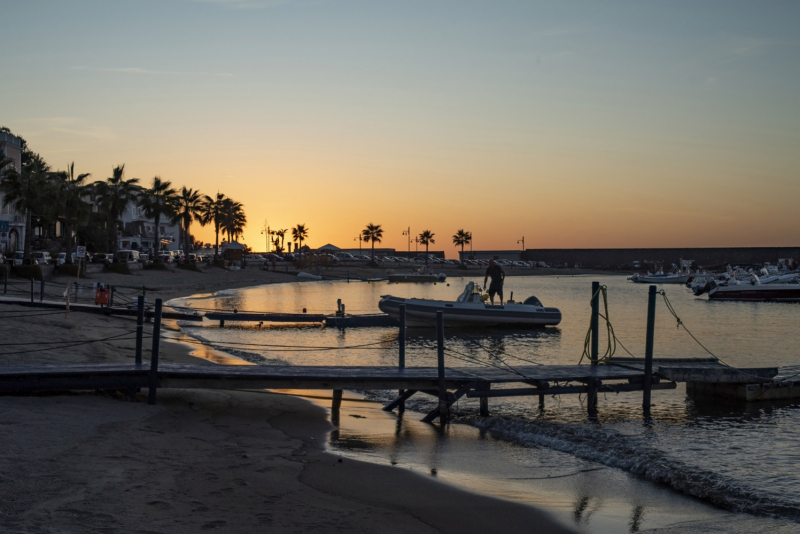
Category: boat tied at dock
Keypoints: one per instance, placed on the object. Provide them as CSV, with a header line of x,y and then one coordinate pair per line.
x,y
471,308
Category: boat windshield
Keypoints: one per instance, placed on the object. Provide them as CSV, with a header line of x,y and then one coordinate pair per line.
x,y
467,292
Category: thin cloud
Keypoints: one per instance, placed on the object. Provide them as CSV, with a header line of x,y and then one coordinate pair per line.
x,y
137,70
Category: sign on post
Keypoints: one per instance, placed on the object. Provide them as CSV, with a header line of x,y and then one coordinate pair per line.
x,y
81,252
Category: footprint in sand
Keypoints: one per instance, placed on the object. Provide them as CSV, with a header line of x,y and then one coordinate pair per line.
x,y
214,524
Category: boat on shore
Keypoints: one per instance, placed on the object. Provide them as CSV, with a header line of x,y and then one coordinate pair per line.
x,y
421,276
471,309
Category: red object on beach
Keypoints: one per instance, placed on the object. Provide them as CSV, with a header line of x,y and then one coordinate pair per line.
x,y
101,296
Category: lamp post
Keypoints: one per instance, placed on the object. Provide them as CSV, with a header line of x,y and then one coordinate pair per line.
x,y
523,243
265,232
408,233
360,239
416,246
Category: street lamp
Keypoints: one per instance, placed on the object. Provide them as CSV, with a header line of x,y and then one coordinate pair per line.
x,y
266,233
408,233
523,243
360,239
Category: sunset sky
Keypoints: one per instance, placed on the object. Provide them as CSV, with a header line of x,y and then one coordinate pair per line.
x,y
573,124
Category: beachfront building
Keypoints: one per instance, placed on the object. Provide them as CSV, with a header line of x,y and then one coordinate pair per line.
x,y
12,223
139,232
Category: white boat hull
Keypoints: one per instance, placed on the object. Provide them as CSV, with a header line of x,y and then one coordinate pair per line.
x,y
757,292
422,312
661,279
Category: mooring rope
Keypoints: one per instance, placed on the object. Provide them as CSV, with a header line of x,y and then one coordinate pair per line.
x,y
611,348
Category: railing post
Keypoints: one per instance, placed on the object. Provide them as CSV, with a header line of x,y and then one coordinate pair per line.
x,y
41,290
595,324
153,382
401,338
648,350
444,411
591,398
31,290
139,330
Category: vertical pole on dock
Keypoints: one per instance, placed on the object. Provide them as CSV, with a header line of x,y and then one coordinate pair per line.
x,y
41,290
444,412
337,400
591,399
401,339
139,330
153,382
595,324
648,350
31,290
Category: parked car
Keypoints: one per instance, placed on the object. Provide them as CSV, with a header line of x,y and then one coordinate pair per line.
x,y
18,257
166,257
61,259
42,257
128,256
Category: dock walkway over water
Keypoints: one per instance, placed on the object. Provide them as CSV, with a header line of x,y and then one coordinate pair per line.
x,y
445,383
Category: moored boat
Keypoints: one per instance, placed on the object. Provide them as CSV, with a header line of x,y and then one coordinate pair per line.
x,y
471,309
756,291
423,275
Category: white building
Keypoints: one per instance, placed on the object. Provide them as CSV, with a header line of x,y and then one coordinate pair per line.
x,y
139,231
12,223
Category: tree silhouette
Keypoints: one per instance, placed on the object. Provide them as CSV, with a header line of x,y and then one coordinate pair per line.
x,y
426,238
372,233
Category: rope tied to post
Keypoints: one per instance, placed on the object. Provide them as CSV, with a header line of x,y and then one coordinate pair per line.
x,y
611,346
680,324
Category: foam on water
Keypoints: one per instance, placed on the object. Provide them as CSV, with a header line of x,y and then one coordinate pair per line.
x,y
636,455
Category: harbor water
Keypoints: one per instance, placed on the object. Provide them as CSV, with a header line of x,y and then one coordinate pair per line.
x,y
697,466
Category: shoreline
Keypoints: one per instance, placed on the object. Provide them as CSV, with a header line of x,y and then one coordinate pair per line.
x,y
96,434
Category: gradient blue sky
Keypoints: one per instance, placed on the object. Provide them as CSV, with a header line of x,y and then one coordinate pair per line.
x,y
573,124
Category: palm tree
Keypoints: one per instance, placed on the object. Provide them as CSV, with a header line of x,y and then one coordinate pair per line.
x,y
282,234
188,204
158,200
299,233
211,212
114,195
372,233
426,238
71,190
462,238
23,191
233,218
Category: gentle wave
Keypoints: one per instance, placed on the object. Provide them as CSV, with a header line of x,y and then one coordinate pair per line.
x,y
634,455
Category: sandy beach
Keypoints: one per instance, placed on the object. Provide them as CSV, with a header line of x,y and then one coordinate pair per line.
x,y
199,460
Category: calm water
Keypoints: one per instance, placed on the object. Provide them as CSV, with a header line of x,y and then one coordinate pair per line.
x,y
739,457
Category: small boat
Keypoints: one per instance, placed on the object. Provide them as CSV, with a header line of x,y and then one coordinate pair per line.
x,y
423,275
471,309
754,290
677,276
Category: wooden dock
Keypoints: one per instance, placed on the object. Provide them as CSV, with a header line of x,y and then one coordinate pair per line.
x,y
447,384
472,382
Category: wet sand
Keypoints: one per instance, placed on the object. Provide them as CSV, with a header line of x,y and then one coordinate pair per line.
x,y
199,460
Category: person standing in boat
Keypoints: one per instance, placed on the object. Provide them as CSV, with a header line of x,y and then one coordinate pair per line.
x,y
498,276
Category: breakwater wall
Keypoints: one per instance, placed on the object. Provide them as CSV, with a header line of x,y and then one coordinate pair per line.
x,y
624,258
